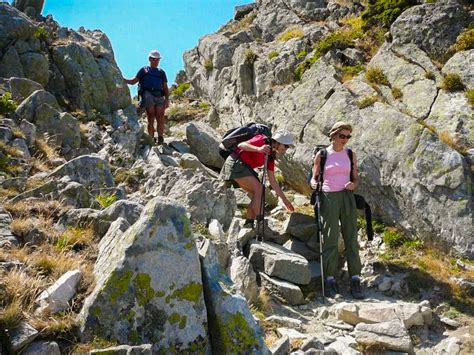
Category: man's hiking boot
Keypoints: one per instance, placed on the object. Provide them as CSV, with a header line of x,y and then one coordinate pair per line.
x,y
160,140
356,289
330,288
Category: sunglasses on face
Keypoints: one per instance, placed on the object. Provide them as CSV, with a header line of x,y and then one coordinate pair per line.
x,y
154,58
343,136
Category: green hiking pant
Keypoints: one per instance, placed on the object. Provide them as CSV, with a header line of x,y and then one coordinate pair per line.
x,y
339,207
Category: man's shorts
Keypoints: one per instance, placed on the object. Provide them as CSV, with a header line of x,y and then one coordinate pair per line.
x,y
148,99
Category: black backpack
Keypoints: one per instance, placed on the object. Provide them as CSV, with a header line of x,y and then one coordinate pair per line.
x,y
361,204
237,135
142,89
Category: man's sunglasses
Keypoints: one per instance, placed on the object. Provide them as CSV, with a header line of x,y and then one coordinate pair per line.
x,y
154,58
343,136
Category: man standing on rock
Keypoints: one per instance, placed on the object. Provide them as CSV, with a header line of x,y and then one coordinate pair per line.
x,y
154,94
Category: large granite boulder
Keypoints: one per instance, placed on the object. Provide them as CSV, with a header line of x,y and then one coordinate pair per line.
x,y
14,24
232,328
206,199
88,170
148,285
204,143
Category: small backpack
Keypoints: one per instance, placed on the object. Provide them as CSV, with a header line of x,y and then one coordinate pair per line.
x,y
361,204
142,88
237,135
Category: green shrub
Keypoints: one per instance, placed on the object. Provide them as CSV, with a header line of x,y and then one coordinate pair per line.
x,y
393,238
7,105
397,93
250,56
180,89
41,34
429,75
376,76
452,82
303,66
470,96
236,26
106,199
465,41
385,12
366,101
204,105
208,64
293,32
301,54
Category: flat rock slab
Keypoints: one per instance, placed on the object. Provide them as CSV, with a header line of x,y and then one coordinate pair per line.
x,y
279,262
283,290
387,335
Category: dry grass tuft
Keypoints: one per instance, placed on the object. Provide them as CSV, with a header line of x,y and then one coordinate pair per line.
x,y
48,209
447,138
45,150
47,262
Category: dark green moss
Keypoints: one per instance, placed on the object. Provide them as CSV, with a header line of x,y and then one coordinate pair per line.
x,y
118,284
143,290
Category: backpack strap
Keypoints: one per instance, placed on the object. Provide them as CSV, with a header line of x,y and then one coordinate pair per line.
x,y
349,153
323,155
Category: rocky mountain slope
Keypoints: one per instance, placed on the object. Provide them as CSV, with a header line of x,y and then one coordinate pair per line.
x,y
302,65
109,242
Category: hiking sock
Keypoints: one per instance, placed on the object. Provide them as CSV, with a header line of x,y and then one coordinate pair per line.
x,y
161,140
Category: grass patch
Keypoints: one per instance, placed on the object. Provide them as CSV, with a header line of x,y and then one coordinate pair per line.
x,y
273,54
350,71
470,96
452,82
290,33
448,139
45,150
204,105
385,12
7,104
465,40
301,54
41,34
250,56
131,178
236,26
397,93
48,262
430,75
377,76
367,101
208,64
180,89
48,209
201,228
353,34
106,199
18,133
75,238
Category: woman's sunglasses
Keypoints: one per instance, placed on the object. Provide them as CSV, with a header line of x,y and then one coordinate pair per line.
x,y
343,136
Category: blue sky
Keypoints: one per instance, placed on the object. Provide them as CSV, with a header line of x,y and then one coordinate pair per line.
x,y
136,26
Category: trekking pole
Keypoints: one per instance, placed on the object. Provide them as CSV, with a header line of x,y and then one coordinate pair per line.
x,y
261,216
319,235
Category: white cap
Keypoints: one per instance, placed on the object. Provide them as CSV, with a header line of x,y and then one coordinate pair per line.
x,y
154,54
283,137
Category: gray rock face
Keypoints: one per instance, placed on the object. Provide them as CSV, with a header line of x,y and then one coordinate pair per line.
x,y
21,88
279,262
432,27
22,336
392,147
244,278
137,285
14,25
232,327
282,290
204,144
42,347
388,335
32,7
128,210
206,199
6,236
87,170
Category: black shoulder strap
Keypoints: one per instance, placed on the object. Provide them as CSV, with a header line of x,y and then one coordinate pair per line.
x,y
323,155
349,153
